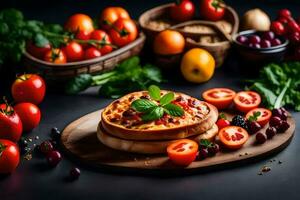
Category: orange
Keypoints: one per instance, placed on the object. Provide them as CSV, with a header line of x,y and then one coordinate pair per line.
x,y
168,42
197,65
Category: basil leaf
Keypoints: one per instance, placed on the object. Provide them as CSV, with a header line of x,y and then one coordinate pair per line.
x,y
167,98
174,110
40,40
154,92
154,114
143,105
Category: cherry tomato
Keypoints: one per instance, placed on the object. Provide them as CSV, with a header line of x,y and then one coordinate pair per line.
x,y
83,35
91,53
278,28
73,51
222,123
36,51
29,114
246,100
56,56
29,88
183,11
124,32
104,37
233,137
183,152
212,10
110,15
293,26
219,97
9,156
79,22
264,116
10,123
284,13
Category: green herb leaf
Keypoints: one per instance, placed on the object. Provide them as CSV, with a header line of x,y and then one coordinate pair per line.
x,y
78,84
254,116
222,116
153,114
153,73
167,98
174,110
143,105
205,143
40,40
154,92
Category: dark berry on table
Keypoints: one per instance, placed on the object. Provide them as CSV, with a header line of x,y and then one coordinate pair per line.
x,y
213,149
253,127
46,147
268,35
277,112
203,153
255,39
55,133
275,42
53,158
265,44
270,132
240,121
242,39
284,116
261,138
283,127
75,173
275,121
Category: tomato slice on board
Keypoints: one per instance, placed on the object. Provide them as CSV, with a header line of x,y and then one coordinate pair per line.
x,y
219,97
264,116
246,101
183,152
233,137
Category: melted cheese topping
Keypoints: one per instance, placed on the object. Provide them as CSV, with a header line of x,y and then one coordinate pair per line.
x,y
120,113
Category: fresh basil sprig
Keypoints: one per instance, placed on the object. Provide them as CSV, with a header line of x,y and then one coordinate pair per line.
x,y
152,110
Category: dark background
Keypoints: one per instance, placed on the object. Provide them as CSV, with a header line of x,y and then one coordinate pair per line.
x,y
33,180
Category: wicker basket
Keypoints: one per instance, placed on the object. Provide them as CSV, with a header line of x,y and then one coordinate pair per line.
x,y
56,74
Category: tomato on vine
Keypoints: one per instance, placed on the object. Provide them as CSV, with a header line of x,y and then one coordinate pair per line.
x,y
56,56
79,22
73,51
103,37
110,15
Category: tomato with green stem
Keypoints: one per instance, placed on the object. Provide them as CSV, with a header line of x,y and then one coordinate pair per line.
x,y
29,88
212,10
110,15
123,32
56,56
9,156
79,22
74,52
91,53
10,123
104,38
183,10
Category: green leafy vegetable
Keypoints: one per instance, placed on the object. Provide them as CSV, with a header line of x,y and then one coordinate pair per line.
x,y
279,85
127,77
254,116
153,111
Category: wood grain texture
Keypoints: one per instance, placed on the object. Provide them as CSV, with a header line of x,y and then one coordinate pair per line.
x,y
80,140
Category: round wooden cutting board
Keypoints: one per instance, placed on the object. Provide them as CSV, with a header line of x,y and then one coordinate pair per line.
x,y
80,140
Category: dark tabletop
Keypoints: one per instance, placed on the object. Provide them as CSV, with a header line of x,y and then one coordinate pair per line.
x,y
34,180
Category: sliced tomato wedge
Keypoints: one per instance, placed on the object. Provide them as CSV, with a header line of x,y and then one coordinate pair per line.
x,y
264,116
219,97
246,101
183,152
233,137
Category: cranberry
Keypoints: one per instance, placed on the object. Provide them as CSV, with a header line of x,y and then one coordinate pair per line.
x,y
275,121
284,116
55,133
46,147
270,132
252,45
265,44
203,153
283,127
53,158
75,173
255,39
275,42
277,112
254,127
261,138
268,35
242,39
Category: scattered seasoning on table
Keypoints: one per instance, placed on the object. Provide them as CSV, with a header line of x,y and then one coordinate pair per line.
x,y
28,156
147,163
240,155
279,162
266,169
37,137
29,139
246,154
260,173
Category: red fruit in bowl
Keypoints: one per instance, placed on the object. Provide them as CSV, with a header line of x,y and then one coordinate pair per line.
x,y
265,44
275,42
242,39
255,39
268,35
294,37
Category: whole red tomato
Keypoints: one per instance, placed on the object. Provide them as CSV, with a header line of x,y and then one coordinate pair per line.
x,y
182,11
91,53
36,51
278,28
212,10
57,56
30,115
110,15
10,123
73,51
104,37
123,32
29,88
9,156
79,22
83,35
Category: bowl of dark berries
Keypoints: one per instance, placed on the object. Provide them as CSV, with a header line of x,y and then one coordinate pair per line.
x,y
260,47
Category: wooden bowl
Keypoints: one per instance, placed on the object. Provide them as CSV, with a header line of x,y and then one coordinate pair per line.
x,y
56,74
